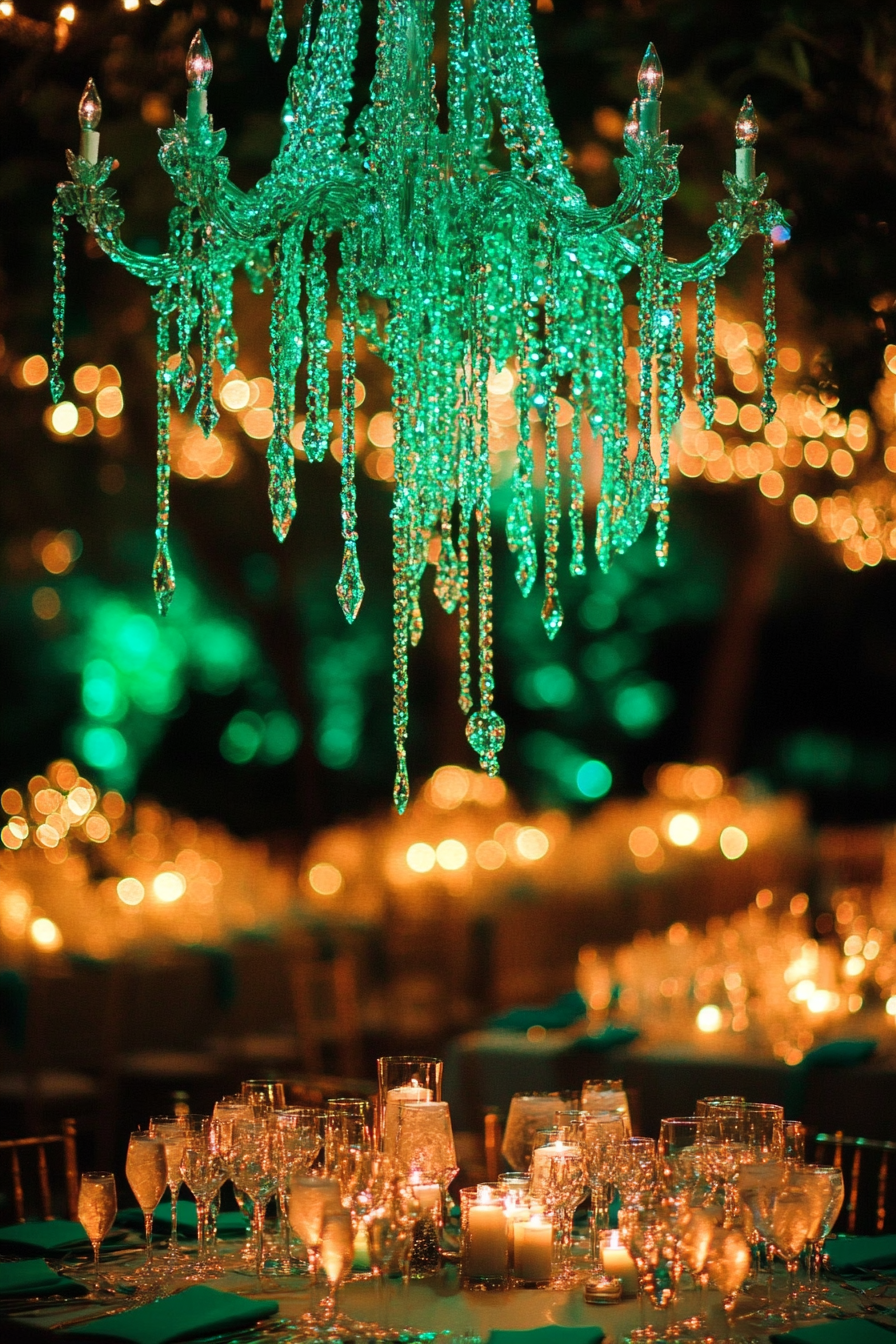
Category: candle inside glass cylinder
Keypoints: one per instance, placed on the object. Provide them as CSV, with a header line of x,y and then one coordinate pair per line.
x,y
618,1264
394,1097
533,1242
541,1163
486,1244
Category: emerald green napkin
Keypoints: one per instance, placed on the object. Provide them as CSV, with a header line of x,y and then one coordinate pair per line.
x,y
32,1278
846,1253
39,1238
836,1332
188,1315
551,1334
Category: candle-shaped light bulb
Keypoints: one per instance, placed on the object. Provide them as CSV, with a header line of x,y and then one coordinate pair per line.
x,y
90,109
199,63
746,128
650,76
746,133
631,121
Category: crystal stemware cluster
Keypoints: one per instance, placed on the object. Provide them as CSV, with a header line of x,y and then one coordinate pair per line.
x,y
461,254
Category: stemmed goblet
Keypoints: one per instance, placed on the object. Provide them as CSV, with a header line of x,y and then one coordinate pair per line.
x,y
254,1171
830,1180
171,1129
298,1139
312,1196
97,1207
729,1264
636,1171
147,1171
204,1169
600,1137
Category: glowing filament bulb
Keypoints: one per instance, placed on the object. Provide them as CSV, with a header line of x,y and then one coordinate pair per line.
x,y
90,109
650,76
746,128
199,63
631,121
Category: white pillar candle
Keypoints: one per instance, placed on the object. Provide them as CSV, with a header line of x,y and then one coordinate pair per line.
x,y
394,1097
427,1196
618,1264
532,1249
486,1248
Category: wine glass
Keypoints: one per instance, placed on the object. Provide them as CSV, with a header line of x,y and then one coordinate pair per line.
x,y
697,1227
763,1131
636,1172
204,1169
600,1136
147,1171
724,1149
263,1094
298,1139
311,1197
254,1171
725,1103
758,1183
792,1221
647,1231
831,1183
425,1150
97,1207
171,1129
729,1264
529,1112
678,1153
601,1095
563,1190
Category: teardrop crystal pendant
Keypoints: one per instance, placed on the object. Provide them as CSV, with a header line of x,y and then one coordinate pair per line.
x,y
350,588
485,734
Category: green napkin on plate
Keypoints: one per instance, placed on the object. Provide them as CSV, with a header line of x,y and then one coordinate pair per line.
x,y
188,1315
836,1332
39,1238
846,1253
551,1334
229,1224
33,1278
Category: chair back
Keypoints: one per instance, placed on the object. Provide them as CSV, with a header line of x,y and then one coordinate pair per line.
x,y
868,1167
29,1169
325,999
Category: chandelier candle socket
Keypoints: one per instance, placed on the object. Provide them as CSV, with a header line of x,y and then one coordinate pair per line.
x,y
90,111
463,255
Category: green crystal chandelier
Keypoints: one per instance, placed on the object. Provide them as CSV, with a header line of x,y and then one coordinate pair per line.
x,y
448,267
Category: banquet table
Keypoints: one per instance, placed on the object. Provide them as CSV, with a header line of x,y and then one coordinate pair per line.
x,y
483,1069
438,1304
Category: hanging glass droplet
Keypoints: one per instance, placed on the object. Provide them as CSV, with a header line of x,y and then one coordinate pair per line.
x,y
276,30
485,733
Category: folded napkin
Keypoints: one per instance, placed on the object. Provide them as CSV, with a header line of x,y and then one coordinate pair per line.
x,y
188,1315
846,1253
229,1224
605,1039
34,1278
551,1334
39,1238
836,1332
563,1012
852,1050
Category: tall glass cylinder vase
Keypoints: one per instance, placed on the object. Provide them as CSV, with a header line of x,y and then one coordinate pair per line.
x,y
403,1078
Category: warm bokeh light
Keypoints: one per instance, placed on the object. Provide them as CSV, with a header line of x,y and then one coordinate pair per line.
x,y
168,886
532,843
45,934
451,855
109,402
11,801
64,418
643,842
420,858
45,603
683,828
490,855
34,370
86,379
709,1018
325,879
450,786
733,842
130,891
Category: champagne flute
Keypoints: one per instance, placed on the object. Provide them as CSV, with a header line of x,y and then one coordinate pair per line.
x,y
311,1197
147,1171
336,1248
97,1207
298,1139
832,1184
792,1219
255,1171
600,1136
729,1264
172,1131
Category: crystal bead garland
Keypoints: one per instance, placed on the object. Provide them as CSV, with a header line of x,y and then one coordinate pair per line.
x,y
452,270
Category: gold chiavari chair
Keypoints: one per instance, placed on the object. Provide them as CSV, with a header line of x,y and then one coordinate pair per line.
x,y
868,1169
327,1017
23,1179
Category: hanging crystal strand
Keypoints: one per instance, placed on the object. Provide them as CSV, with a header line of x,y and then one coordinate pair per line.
x,y
465,697
402,365
551,611
670,407
576,484
57,382
277,29
705,382
609,368
350,588
768,405
316,439
207,414
485,728
162,570
520,525
280,455
401,791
